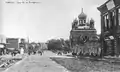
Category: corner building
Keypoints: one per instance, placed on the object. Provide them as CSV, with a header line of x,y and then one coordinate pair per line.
x,y
110,27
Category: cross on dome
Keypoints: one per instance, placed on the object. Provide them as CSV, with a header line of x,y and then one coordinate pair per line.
x,y
82,10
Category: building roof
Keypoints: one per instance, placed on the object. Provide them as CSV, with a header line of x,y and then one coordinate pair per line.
x,y
85,30
108,5
103,5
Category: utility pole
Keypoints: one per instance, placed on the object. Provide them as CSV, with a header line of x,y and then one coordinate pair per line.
x,y
1,40
28,39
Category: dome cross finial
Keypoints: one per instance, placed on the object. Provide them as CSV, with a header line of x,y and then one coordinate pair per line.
x,y
82,10
82,15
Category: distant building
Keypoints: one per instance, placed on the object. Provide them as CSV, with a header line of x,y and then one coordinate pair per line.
x,y
22,40
23,44
2,38
12,43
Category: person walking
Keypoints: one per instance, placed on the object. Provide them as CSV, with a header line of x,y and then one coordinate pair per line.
x,y
22,52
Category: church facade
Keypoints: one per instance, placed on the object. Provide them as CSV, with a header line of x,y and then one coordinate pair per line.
x,y
82,31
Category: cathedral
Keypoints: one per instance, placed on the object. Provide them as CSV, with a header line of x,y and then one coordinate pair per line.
x,y
82,29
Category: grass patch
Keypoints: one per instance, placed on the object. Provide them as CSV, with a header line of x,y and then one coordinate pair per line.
x,y
86,65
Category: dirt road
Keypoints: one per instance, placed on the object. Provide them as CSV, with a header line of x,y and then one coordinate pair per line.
x,y
37,63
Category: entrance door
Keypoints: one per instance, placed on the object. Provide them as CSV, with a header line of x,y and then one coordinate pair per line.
x,y
118,31
118,44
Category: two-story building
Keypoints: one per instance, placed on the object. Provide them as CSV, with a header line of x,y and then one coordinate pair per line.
x,y
110,27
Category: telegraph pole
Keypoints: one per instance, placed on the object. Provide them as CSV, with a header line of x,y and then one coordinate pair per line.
x,y
1,40
28,39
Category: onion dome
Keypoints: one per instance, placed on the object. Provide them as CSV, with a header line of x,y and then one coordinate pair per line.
x,y
92,20
75,20
82,15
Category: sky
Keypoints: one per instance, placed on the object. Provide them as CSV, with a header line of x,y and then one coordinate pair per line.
x,y
47,19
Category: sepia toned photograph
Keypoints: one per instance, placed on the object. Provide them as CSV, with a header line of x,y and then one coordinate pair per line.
x,y
59,35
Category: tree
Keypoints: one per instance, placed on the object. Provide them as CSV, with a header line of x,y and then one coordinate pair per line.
x,y
54,44
67,45
59,45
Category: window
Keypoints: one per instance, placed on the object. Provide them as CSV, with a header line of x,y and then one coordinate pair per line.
x,y
106,22
113,18
86,37
111,15
119,16
84,21
81,21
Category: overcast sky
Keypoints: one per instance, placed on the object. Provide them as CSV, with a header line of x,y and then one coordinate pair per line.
x,y
46,20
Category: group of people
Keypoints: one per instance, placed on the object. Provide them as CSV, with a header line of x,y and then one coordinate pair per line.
x,y
22,52
30,50
34,50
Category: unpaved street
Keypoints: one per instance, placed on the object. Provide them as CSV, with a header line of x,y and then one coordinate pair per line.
x,y
37,63
50,62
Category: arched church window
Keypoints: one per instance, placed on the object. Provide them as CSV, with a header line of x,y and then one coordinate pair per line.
x,y
86,37
84,21
81,21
